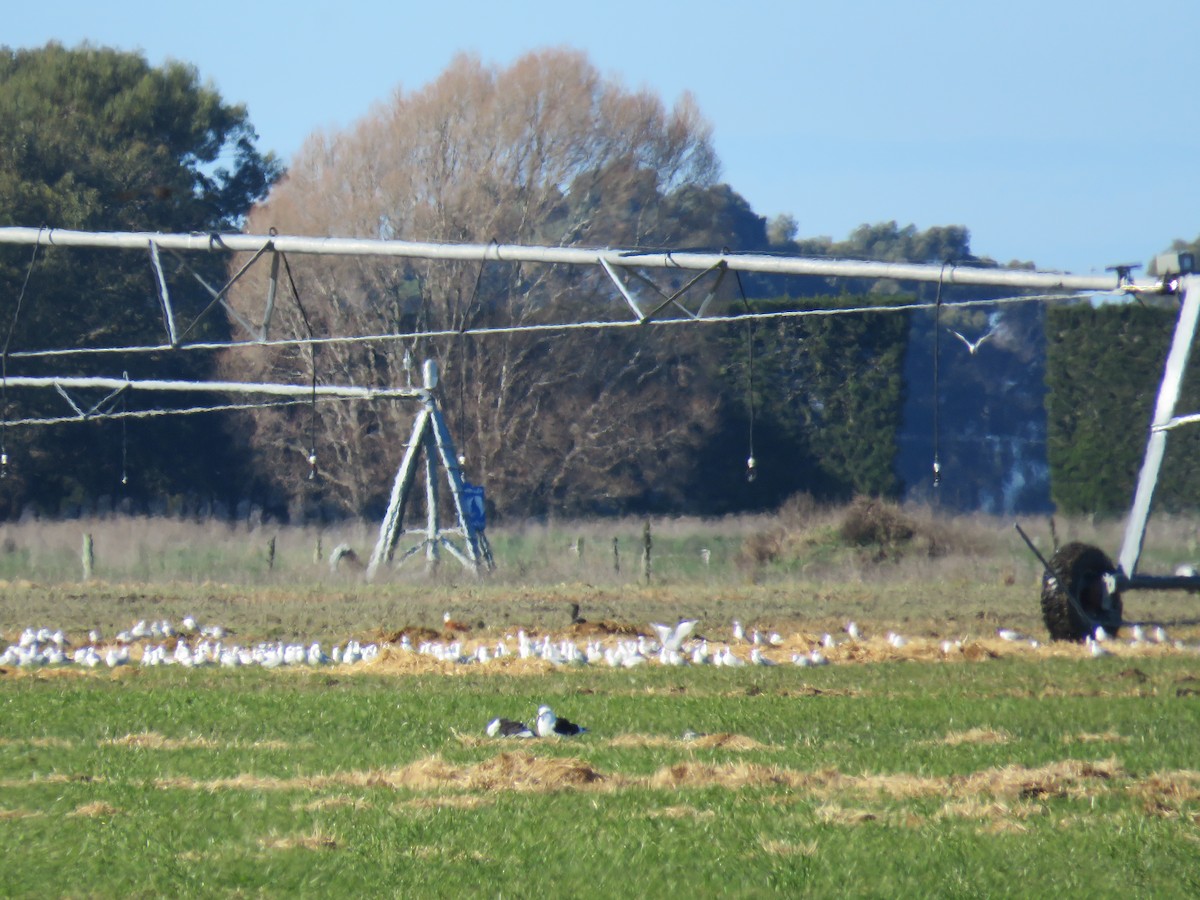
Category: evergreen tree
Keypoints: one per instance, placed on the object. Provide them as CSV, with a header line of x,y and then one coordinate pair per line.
x,y
97,139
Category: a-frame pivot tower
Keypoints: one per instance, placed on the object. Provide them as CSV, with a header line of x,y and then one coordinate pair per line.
x,y
431,448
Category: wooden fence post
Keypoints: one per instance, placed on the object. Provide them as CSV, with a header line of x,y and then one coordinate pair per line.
x,y
89,557
646,551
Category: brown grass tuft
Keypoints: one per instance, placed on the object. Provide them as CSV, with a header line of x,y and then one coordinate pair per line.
x,y
681,812
832,814
719,741
728,775
318,840
338,802
977,736
95,810
43,743
506,771
20,814
787,848
1108,737
522,771
726,741
1057,779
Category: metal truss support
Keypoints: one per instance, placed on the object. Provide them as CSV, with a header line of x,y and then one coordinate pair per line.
x,y
672,299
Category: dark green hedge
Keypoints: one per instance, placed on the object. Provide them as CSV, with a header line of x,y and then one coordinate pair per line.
x,y
1103,368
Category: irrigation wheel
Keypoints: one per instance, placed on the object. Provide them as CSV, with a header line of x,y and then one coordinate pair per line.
x,y
1075,597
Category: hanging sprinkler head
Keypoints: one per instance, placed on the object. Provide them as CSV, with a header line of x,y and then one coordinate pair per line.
x,y
312,464
937,472
3,464
751,469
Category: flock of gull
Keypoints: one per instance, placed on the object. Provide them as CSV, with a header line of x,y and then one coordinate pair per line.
x,y
162,643
190,644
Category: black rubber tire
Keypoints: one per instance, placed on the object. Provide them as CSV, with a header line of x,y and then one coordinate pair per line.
x,y
1074,594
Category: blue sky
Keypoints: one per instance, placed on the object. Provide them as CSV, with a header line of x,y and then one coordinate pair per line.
x,y
1058,131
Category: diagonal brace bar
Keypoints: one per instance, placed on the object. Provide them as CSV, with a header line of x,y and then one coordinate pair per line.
x,y
164,295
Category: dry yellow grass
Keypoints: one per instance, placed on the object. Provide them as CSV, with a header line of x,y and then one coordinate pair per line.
x,y
977,736
152,740
516,771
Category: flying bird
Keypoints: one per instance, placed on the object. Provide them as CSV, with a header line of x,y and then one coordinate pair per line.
x,y
548,723
972,345
673,638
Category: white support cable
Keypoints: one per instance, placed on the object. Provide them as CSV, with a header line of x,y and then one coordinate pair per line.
x,y
488,331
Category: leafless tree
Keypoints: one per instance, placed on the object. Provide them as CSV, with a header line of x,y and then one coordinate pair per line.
x,y
545,151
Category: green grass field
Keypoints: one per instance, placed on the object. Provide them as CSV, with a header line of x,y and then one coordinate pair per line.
x,y
1005,777
990,772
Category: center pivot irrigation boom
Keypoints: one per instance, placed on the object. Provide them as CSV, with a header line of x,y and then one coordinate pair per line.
x,y
1081,586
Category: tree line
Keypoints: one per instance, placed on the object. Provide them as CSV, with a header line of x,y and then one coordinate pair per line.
x,y
545,151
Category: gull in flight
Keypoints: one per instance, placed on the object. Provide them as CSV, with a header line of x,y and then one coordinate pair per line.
x,y
673,638
971,345
548,723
